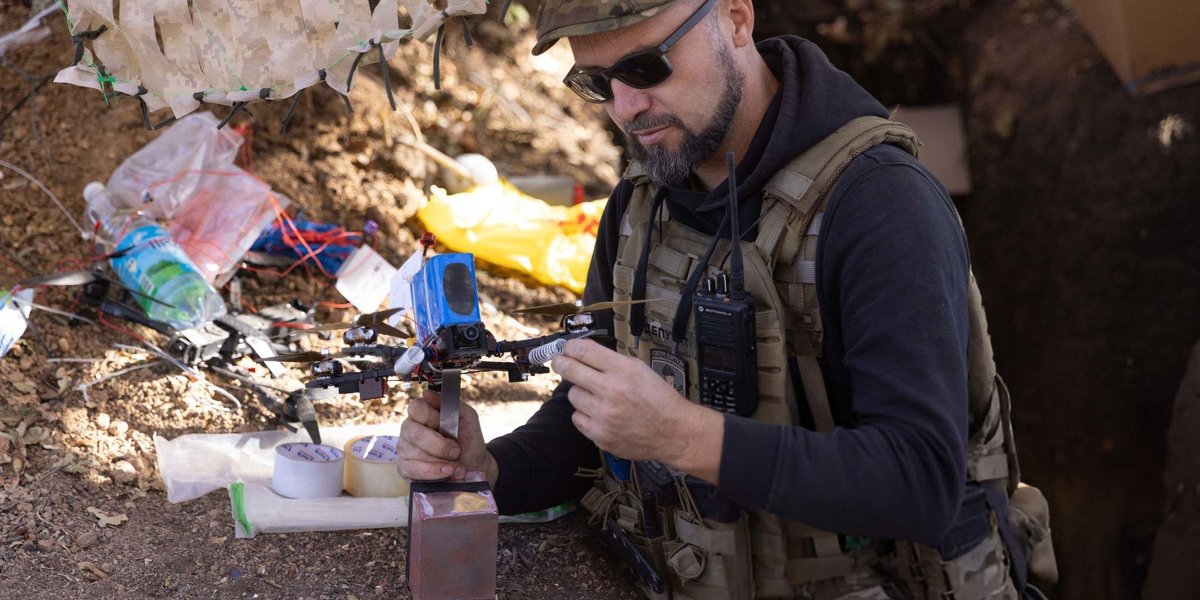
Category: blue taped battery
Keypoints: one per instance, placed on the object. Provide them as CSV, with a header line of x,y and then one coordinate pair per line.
x,y
444,294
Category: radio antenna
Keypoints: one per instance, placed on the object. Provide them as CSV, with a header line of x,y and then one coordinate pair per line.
x,y
738,283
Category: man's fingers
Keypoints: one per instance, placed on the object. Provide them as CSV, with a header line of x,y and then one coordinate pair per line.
x,y
583,400
577,372
583,423
432,398
425,412
592,354
420,470
428,441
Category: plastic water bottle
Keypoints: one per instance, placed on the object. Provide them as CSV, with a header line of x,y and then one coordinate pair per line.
x,y
153,264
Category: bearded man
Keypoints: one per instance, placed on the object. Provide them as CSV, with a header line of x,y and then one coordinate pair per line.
x,y
873,458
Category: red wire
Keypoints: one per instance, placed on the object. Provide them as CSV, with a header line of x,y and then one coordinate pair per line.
x,y
118,328
288,325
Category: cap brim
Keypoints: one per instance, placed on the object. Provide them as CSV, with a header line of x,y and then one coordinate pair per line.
x,y
576,29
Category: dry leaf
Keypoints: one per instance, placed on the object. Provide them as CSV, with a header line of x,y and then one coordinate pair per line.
x,y
23,386
218,540
106,519
92,569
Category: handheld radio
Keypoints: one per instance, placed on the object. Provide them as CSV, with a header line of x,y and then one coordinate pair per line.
x,y
726,343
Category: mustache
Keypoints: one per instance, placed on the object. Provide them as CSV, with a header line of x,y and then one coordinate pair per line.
x,y
650,122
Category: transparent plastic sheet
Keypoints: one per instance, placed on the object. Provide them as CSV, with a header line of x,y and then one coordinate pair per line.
x,y
161,176
225,214
195,464
503,226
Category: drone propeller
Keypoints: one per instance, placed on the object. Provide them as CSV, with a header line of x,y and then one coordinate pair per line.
x,y
375,320
67,278
83,277
569,308
310,356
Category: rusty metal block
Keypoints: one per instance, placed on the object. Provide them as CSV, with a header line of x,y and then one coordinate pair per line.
x,y
453,533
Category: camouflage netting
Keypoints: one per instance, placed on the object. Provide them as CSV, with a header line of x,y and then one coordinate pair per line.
x,y
178,54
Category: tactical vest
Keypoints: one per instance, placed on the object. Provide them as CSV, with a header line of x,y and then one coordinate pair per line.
x,y
761,555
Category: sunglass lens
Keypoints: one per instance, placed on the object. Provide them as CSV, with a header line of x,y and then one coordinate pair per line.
x,y
643,70
590,87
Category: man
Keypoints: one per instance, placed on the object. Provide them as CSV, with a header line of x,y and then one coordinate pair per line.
x,y
849,478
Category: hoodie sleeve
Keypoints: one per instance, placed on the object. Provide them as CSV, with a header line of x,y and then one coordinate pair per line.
x,y
538,461
892,283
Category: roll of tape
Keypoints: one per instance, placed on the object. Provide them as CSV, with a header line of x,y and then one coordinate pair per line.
x,y
371,468
304,470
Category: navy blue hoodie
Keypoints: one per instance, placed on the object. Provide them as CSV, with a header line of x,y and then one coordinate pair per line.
x,y
892,272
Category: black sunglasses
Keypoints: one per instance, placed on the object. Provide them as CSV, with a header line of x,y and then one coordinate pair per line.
x,y
644,69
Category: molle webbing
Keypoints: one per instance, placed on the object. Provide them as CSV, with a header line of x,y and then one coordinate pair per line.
x,y
781,274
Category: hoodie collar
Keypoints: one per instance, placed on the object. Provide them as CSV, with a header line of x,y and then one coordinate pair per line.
x,y
814,100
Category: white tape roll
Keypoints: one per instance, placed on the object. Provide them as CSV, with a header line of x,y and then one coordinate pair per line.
x,y
304,470
371,468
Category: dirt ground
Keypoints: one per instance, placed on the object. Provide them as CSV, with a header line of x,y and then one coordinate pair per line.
x,y
1081,229
62,454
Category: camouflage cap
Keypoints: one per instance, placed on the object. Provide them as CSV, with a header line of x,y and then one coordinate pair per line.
x,y
562,18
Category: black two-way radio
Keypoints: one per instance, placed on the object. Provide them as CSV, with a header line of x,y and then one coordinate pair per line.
x,y
726,346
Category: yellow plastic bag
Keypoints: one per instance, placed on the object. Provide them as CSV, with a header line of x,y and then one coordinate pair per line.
x,y
503,226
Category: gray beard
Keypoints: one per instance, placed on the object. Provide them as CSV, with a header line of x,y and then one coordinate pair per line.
x,y
663,166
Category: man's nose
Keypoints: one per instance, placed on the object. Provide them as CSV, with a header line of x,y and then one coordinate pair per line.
x,y
628,102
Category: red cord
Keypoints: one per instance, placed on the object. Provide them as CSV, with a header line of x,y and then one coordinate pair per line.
x,y
118,328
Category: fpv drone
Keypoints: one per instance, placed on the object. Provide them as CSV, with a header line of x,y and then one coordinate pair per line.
x,y
450,337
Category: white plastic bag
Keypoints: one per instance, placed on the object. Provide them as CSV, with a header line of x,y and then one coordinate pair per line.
x,y
14,316
163,174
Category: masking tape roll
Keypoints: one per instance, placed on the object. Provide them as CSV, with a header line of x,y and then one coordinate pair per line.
x,y
304,470
371,468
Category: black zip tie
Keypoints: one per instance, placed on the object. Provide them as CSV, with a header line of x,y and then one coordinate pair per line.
x,y
264,94
322,74
145,110
437,51
164,122
237,107
467,32
291,109
387,78
504,11
354,67
78,39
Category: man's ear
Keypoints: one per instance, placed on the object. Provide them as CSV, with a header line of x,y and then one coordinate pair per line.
x,y
741,16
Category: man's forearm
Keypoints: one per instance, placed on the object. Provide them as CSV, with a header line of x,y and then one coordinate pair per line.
x,y
695,446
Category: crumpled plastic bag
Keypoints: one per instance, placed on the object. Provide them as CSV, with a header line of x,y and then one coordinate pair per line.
x,y
503,226
225,214
173,164
14,317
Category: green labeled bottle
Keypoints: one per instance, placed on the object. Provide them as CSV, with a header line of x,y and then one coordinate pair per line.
x,y
153,264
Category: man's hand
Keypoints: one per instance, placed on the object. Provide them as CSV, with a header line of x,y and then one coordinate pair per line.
x,y
629,411
426,454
